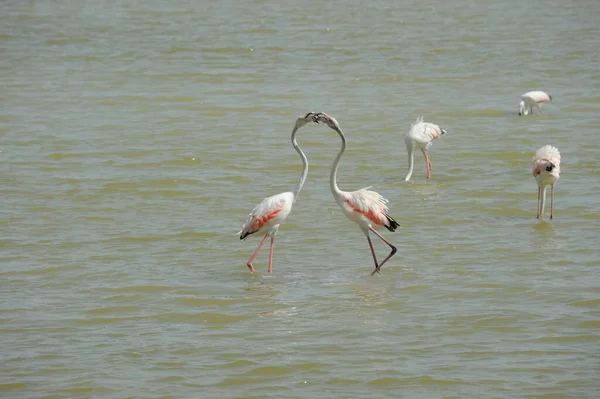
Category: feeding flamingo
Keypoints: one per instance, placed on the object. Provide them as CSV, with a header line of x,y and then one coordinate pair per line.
x,y
546,170
365,207
272,211
533,99
420,136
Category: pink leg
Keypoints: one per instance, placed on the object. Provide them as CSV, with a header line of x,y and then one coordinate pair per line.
x,y
372,252
271,254
256,253
551,201
388,243
428,161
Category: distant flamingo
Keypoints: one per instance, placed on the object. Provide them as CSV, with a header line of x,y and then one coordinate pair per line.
x,y
546,170
363,206
421,135
533,99
272,211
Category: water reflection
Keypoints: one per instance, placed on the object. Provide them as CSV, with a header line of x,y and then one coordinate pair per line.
x,y
545,236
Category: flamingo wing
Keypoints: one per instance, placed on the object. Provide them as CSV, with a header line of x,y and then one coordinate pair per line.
x,y
537,96
371,206
423,132
270,212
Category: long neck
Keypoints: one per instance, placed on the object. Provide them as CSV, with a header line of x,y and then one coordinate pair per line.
x,y
411,164
304,165
333,176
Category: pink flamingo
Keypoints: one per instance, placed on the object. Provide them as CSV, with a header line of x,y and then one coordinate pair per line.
x,y
546,170
272,211
365,207
531,100
421,135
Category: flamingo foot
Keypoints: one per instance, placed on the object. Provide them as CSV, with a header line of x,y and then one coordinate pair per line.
x,y
251,268
376,272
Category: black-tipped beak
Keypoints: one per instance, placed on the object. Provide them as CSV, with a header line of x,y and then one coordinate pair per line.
x,y
550,167
443,131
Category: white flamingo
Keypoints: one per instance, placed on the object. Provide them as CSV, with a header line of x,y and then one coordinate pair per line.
x,y
272,211
364,207
546,170
531,100
420,136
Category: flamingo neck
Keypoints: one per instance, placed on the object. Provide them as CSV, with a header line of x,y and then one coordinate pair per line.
x,y
304,173
335,190
411,164
522,108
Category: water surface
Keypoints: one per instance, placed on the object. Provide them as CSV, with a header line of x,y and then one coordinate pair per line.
x,y
136,137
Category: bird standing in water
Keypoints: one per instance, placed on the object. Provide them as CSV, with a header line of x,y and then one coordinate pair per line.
x,y
365,207
420,136
546,170
531,100
272,211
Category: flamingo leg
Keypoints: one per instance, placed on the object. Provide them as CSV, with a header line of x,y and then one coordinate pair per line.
x,y
372,252
428,161
539,201
551,200
256,253
271,254
392,252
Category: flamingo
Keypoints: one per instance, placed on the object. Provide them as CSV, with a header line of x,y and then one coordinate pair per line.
x,y
546,170
533,99
272,211
421,135
365,207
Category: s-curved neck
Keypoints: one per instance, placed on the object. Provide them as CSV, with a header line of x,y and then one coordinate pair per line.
x,y
333,176
304,165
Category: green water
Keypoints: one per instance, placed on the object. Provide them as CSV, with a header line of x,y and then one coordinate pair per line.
x,y
137,136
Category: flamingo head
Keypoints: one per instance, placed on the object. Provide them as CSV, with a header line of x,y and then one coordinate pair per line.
x,y
522,108
543,166
329,121
303,120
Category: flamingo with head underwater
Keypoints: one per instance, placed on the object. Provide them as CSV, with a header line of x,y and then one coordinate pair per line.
x,y
531,100
272,211
546,170
420,136
365,207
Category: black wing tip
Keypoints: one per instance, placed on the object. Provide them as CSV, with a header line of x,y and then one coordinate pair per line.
x,y
393,224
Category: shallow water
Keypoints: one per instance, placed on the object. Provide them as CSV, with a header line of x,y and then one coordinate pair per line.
x,y
136,137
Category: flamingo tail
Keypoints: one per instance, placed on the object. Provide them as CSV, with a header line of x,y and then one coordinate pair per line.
x,y
393,224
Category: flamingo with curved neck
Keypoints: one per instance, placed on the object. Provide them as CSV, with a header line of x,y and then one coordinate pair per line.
x,y
365,207
272,211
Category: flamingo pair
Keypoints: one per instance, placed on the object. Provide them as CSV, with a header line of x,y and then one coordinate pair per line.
x,y
421,134
365,207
